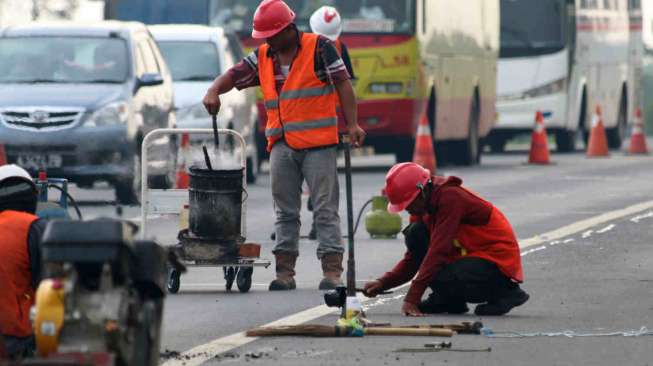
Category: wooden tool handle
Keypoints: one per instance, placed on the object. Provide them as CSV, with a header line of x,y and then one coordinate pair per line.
x,y
432,332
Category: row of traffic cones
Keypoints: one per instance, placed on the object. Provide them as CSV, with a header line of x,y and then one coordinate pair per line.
x,y
597,145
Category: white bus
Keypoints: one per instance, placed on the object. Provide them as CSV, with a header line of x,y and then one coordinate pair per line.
x,y
564,57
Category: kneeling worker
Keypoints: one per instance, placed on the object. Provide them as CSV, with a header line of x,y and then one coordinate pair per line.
x,y
459,244
20,235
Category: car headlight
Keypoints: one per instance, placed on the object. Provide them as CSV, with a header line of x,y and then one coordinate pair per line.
x,y
195,111
110,114
386,88
547,89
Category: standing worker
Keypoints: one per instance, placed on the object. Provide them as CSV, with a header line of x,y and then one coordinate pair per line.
x,y
302,78
20,267
459,244
326,21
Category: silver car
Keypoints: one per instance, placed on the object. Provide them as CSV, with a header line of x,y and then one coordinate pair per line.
x,y
196,55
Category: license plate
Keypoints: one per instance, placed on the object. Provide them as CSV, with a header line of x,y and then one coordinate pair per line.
x,y
40,161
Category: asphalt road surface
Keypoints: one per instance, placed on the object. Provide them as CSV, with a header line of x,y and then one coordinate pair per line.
x,y
585,228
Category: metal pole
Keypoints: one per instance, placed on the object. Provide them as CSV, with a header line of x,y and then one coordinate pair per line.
x,y
351,264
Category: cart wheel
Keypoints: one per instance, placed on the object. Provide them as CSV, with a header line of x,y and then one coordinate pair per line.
x,y
173,281
229,276
244,279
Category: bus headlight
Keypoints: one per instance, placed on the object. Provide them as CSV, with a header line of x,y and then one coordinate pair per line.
x,y
547,89
386,88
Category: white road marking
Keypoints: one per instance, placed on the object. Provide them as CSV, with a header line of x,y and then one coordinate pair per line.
x,y
207,351
567,241
606,229
527,252
587,234
586,224
638,218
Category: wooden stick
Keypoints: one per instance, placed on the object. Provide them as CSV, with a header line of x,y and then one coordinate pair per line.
x,y
424,332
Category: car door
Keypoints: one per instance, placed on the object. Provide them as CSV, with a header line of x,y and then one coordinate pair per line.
x,y
151,110
165,90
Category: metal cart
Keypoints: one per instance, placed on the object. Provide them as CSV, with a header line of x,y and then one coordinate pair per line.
x,y
157,202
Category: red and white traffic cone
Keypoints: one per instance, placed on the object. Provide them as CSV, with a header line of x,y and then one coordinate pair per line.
x,y
424,154
597,145
539,153
637,137
183,157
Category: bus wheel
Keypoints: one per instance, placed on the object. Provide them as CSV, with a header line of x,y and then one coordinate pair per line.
x,y
404,149
617,134
469,150
565,141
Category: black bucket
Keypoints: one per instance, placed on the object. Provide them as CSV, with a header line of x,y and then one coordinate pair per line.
x,y
215,200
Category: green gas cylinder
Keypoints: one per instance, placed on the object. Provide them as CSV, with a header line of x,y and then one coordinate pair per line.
x,y
380,223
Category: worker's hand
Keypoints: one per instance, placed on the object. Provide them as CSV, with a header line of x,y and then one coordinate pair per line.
x,y
410,309
372,288
356,135
211,102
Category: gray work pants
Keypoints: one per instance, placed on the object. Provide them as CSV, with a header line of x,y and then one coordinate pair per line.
x,y
288,169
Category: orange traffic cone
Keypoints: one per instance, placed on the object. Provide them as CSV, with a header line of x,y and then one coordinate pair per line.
x,y
597,145
637,137
539,153
183,157
3,155
424,154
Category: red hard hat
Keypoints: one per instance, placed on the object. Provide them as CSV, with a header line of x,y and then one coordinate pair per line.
x,y
270,18
402,185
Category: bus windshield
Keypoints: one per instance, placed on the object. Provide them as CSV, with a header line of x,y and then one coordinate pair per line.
x,y
358,16
532,27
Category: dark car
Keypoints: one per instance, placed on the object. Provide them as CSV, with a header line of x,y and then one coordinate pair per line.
x,y
77,100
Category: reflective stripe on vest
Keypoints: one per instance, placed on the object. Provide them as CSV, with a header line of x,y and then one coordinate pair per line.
x,y
304,112
16,293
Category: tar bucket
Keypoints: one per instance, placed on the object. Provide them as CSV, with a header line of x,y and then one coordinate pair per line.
x,y
215,200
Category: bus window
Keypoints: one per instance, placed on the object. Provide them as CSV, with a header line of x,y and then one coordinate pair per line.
x,y
541,33
368,16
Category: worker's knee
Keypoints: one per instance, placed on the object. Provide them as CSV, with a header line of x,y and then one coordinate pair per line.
x,y
416,238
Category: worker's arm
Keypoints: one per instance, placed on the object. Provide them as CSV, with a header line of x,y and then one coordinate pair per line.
x,y
347,60
34,250
243,75
451,209
349,109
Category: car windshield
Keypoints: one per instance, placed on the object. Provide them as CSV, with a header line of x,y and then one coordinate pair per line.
x,y
541,31
63,60
191,61
358,16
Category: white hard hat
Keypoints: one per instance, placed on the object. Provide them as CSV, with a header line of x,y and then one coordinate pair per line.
x,y
14,171
326,22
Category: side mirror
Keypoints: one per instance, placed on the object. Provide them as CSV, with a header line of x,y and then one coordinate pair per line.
x,y
148,79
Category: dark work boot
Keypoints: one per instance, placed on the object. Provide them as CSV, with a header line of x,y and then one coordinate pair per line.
x,y
332,269
435,304
285,266
513,298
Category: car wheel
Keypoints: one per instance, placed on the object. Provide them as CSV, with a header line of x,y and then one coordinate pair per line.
x,y
167,180
128,191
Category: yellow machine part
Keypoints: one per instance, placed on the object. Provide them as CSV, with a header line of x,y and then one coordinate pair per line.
x,y
49,316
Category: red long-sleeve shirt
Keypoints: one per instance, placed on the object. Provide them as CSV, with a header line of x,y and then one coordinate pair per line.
x,y
460,224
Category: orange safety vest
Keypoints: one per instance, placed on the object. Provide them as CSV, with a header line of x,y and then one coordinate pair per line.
x,y
16,292
304,113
